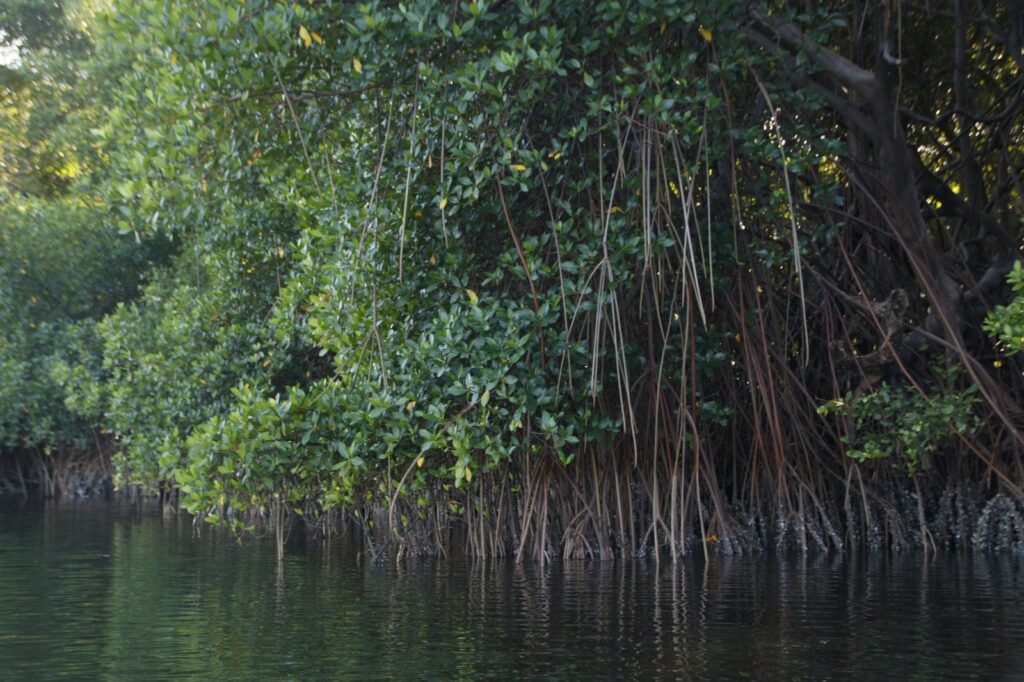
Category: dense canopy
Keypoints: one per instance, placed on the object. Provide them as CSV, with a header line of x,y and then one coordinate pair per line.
x,y
578,278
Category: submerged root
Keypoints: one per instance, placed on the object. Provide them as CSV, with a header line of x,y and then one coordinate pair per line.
x,y
1000,525
546,511
541,513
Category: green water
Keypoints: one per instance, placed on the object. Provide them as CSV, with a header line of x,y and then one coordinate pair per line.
x,y
91,591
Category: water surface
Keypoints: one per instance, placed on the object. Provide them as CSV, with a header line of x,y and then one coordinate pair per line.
x,y
97,591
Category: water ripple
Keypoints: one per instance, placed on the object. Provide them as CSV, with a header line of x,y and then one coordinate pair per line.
x,y
97,592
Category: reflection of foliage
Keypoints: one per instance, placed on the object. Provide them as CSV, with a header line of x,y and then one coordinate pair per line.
x,y
899,422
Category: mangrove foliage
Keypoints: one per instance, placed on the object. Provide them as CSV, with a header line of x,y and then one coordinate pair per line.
x,y
577,279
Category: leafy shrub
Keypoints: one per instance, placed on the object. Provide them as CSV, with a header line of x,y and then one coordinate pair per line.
x,y
900,423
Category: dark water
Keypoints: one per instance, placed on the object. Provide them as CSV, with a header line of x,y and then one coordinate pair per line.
x,y
91,592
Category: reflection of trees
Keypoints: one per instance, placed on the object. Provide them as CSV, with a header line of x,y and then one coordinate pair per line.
x,y
145,596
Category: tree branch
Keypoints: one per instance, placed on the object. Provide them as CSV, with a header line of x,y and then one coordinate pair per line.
x,y
861,80
844,106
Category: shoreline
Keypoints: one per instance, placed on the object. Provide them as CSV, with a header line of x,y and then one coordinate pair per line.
x,y
889,519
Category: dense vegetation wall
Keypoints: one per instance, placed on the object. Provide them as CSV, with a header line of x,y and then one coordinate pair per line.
x,y
581,279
